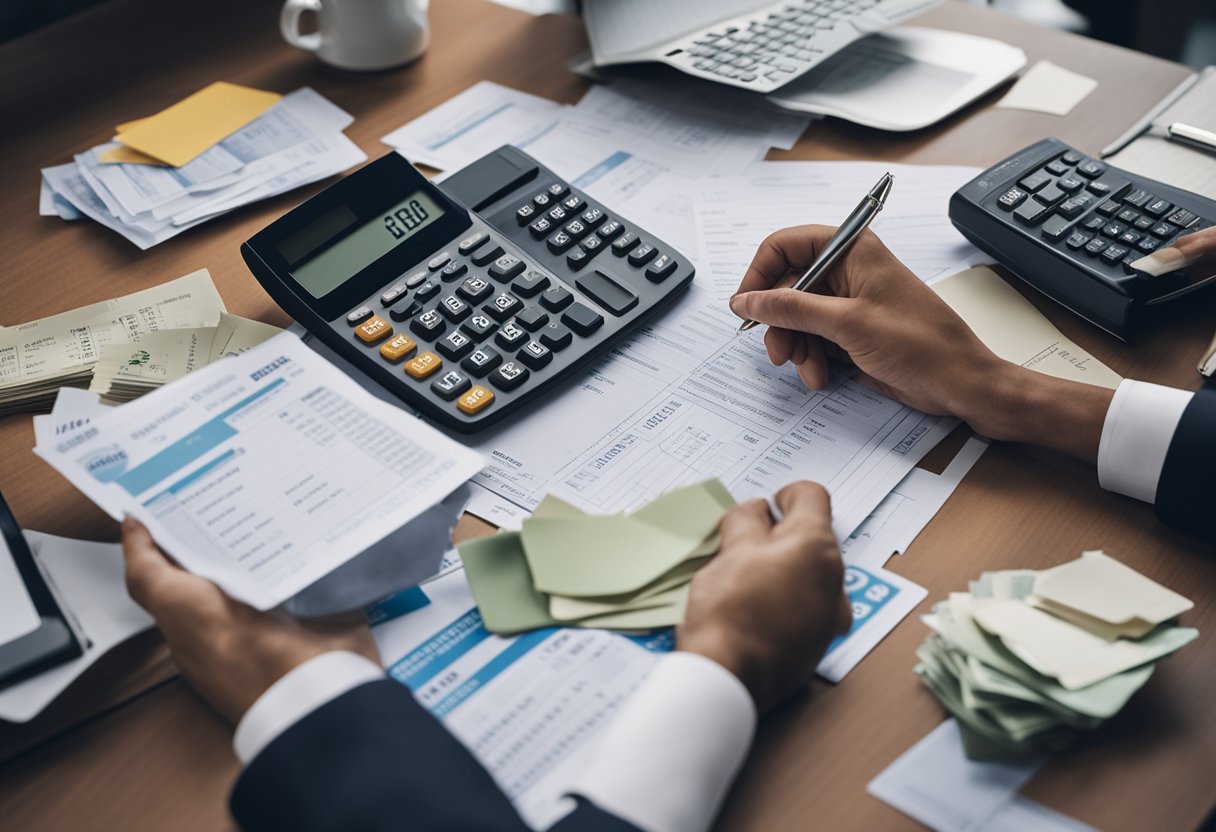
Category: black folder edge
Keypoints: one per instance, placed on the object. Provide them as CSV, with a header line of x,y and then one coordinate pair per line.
x,y
54,642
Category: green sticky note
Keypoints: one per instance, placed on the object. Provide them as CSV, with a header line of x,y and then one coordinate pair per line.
x,y
498,575
670,615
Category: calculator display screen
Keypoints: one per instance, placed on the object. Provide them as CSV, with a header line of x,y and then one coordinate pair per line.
x,y
329,268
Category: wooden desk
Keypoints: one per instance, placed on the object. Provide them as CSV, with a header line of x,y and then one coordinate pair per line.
x,y
164,760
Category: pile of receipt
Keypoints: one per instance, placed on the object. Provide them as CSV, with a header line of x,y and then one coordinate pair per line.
x,y
1027,659
294,141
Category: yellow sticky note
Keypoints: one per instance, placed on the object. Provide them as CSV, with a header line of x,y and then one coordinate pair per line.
x,y
179,133
127,125
123,155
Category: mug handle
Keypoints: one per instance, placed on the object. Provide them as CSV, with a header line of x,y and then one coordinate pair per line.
x,y
289,24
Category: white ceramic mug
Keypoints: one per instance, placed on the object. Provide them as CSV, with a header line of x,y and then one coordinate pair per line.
x,y
360,34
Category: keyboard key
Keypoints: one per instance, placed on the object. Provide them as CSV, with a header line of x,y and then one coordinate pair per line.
x,y
624,243
1034,181
503,306
359,315
577,258
1138,197
1158,207
532,283
1050,195
1071,157
559,242
1031,212
1077,239
611,230
541,228
454,309
1182,218
511,336
475,290
398,348
429,324
487,255
1114,253
1055,227
1070,184
607,291
404,313
556,336
525,214
450,385
1113,229
642,255
1130,238
1098,188
473,242
1109,208
1144,223
374,330
1096,246
478,327
556,298
574,203
532,318
593,245
1011,199
1129,258
557,215
481,361
509,376
1148,244
506,267
577,229
557,190
1091,169
661,269
1073,207
417,279
542,200
593,217
391,295
455,345
1093,223
1128,215
582,319
1057,168
476,400
535,355
427,290
423,365
438,261
454,270
1163,230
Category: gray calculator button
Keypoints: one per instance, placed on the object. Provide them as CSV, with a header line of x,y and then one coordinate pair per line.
x,y
391,296
416,279
511,336
450,385
439,261
509,376
359,315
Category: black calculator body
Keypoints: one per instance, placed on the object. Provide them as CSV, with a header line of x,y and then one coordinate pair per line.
x,y
467,299
1071,226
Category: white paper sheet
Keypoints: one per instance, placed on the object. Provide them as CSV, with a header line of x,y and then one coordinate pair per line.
x,y
880,600
74,409
263,472
87,580
1048,88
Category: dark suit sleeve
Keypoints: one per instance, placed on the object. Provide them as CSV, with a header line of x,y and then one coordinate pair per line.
x,y
1185,491
374,759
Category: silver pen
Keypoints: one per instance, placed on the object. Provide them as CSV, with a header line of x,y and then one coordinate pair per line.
x,y
845,236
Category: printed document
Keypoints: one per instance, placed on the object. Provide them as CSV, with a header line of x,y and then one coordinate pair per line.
x,y
265,471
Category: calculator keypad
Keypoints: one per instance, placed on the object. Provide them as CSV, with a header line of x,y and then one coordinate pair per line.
x,y
479,317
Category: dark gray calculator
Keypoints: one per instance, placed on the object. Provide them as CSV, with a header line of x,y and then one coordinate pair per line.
x,y
471,298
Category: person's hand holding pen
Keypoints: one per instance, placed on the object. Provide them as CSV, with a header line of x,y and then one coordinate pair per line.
x,y
906,343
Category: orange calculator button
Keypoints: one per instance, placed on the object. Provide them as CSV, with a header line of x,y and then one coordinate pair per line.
x,y
373,329
477,399
401,346
423,365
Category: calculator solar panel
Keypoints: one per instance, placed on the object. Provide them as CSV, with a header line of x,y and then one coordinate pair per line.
x,y
1071,226
470,299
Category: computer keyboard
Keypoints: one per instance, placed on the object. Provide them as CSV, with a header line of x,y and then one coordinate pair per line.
x,y
779,43
1071,226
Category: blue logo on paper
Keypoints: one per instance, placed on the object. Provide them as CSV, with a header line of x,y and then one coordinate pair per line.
x,y
106,464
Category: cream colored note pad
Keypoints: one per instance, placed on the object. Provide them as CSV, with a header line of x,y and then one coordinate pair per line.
x,y
1011,327
1048,88
178,133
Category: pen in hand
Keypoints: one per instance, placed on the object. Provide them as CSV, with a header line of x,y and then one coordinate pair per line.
x,y
845,236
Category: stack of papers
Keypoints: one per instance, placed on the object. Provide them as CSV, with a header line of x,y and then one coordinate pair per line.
x,y
221,148
1027,659
39,357
617,571
128,371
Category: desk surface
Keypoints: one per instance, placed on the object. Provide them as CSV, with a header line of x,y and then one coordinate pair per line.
x,y
157,757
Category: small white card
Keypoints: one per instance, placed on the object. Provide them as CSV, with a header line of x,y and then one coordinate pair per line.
x,y
1048,88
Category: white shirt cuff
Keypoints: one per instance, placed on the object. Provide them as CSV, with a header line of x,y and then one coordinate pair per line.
x,y
307,687
1136,436
666,761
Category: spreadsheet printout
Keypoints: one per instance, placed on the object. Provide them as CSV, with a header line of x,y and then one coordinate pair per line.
x,y
265,471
